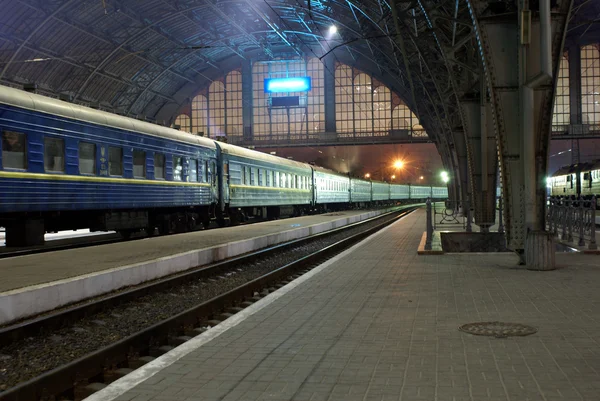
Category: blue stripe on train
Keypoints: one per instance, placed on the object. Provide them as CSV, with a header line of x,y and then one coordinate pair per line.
x,y
22,195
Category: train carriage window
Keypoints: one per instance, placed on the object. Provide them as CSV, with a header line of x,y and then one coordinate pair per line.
x,y
139,163
213,172
115,161
260,177
177,168
248,180
14,152
54,154
87,158
159,166
253,176
193,168
206,172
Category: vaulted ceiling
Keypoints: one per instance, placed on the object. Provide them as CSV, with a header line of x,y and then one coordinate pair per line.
x,y
145,57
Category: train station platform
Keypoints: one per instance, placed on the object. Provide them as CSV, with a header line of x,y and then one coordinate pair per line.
x,y
379,322
41,282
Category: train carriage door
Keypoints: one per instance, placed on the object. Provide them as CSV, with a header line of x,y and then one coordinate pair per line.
x,y
226,180
218,176
314,186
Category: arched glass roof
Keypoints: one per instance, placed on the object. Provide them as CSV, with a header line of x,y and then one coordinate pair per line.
x,y
145,57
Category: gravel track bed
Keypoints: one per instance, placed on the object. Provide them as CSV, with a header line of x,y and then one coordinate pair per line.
x,y
32,356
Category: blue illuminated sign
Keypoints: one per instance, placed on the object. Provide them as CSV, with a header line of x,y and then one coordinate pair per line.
x,y
298,84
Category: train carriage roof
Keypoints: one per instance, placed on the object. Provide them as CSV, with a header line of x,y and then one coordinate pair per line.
x,y
330,172
43,104
360,180
574,168
256,155
381,183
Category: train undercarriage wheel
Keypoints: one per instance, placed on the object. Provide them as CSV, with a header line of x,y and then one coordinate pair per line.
x,y
235,217
126,234
220,219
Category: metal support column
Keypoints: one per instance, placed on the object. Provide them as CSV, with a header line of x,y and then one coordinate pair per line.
x,y
574,57
329,82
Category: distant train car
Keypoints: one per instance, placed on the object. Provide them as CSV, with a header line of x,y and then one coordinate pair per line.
x,y
590,179
380,192
64,166
360,192
251,180
331,189
577,179
400,192
420,192
439,192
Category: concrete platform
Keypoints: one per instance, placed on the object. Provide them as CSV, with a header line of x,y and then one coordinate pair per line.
x,y
381,323
41,282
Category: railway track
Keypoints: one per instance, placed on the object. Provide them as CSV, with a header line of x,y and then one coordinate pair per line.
x,y
87,373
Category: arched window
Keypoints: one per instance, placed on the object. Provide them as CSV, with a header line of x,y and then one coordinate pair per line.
x,y
402,117
363,98
343,99
183,120
382,110
199,115
216,111
261,122
233,85
561,115
316,97
590,84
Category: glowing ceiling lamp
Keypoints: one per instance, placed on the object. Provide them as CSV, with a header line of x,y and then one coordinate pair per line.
x,y
445,176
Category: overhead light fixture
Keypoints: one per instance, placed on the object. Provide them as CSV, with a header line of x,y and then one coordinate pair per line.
x,y
445,176
332,30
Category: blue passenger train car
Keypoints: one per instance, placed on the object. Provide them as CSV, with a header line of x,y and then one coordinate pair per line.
x,y
64,166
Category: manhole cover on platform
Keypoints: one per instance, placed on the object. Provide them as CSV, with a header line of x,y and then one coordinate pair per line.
x,y
497,329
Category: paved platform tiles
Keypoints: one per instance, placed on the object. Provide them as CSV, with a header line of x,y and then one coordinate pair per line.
x,y
47,267
381,323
